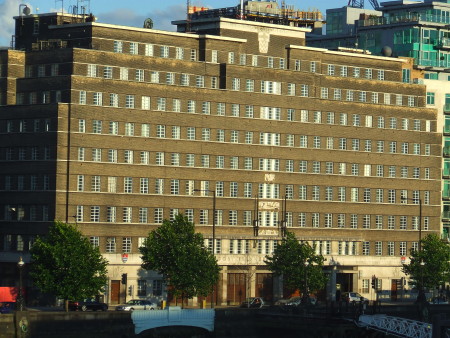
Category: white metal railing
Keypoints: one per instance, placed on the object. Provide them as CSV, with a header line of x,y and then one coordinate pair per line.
x,y
398,326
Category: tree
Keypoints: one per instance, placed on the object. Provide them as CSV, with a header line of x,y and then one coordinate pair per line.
x,y
429,267
176,252
65,263
298,264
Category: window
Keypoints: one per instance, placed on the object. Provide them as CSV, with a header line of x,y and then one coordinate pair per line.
x,y
392,147
378,248
214,56
291,89
157,288
200,81
164,51
337,94
179,53
118,46
98,99
142,287
126,244
96,155
330,118
304,90
193,55
366,248
107,72
145,103
110,244
350,95
129,129
161,104
430,98
129,101
255,60
95,183
91,70
82,98
128,185
230,57
95,214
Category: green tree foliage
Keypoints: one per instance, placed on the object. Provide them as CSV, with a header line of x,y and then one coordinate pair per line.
x,y
298,263
65,263
176,252
430,267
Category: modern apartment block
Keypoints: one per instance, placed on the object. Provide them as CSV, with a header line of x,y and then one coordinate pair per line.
x,y
116,128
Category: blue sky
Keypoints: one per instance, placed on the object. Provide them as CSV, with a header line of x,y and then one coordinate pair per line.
x,y
134,12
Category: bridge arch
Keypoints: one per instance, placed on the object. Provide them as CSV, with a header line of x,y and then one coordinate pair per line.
x,y
173,316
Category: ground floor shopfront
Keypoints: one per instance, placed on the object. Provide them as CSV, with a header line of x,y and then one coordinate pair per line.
x,y
247,276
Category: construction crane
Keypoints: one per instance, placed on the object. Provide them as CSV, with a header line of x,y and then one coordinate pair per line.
x,y
360,4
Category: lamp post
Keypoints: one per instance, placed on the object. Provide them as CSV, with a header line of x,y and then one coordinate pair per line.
x,y
20,265
419,247
213,232
306,295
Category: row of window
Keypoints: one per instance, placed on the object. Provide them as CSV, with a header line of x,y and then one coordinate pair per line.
x,y
23,243
246,85
221,109
216,56
247,163
268,246
17,212
35,153
113,214
246,190
267,113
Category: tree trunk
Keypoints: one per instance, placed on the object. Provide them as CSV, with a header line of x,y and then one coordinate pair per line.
x,y
66,305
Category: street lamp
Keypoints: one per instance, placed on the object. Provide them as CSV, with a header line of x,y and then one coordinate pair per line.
x,y
213,232
306,295
419,247
20,265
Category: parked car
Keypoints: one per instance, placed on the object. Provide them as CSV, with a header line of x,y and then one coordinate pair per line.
x,y
354,297
298,300
439,300
253,302
87,304
137,304
7,307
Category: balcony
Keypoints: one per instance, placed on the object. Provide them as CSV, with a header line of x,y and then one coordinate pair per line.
x,y
446,151
444,43
446,216
446,129
404,18
431,63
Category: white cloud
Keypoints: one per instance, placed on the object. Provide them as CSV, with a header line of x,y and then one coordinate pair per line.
x,y
8,9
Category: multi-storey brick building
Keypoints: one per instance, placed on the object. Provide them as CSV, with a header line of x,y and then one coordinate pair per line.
x,y
117,128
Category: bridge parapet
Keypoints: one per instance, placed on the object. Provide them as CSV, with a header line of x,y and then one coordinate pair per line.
x,y
399,326
173,316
